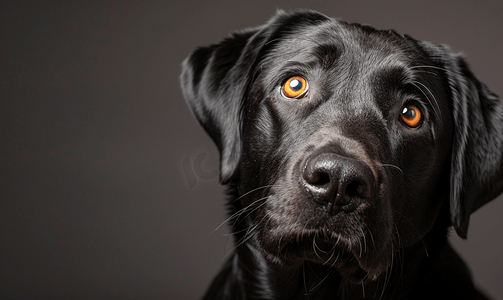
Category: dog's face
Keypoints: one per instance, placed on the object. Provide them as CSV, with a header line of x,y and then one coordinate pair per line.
x,y
350,129
338,139
351,134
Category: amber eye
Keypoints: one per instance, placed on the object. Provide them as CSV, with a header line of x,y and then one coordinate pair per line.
x,y
295,87
411,116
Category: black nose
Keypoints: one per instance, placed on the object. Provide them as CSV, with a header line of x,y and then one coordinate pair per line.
x,y
338,180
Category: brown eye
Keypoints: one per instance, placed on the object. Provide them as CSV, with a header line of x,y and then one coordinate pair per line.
x,y
295,87
411,116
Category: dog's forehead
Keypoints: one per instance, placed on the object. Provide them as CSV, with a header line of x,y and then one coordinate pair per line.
x,y
324,43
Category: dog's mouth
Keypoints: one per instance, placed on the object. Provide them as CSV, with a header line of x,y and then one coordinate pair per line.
x,y
357,258
354,241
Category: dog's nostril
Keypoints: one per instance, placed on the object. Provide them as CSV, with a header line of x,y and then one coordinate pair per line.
x,y
354,189
318,178
357,189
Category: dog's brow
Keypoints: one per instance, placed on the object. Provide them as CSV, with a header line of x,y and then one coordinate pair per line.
x,y
327,54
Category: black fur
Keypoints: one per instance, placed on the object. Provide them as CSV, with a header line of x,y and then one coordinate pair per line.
x,y
332,196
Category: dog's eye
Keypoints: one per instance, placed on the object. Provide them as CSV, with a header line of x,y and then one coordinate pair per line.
x,y
295,87
412,116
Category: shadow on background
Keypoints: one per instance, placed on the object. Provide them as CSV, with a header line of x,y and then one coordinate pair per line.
x,y
108,185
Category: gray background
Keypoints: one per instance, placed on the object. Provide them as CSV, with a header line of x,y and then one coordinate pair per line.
x,y
94,201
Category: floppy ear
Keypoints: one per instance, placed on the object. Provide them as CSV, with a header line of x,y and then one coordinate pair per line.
x,y
213,81
477,151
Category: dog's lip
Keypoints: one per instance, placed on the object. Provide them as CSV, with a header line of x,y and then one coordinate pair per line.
x,y
302,244
330,249
306,247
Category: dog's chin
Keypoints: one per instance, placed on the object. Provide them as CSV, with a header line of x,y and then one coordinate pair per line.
x,y
353,259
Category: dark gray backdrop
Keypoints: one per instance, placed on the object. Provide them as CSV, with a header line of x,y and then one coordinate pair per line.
x,y
95,201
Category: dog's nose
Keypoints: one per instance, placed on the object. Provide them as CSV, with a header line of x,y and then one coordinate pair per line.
x,y
338,180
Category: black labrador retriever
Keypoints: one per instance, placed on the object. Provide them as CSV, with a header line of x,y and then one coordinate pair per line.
x,y
348,153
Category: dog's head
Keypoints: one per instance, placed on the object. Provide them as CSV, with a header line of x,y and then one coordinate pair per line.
x,y
344,143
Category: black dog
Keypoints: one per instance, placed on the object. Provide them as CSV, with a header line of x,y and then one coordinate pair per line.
x,y
348,153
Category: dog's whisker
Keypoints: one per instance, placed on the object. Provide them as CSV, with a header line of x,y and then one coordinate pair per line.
x,y
234,232
251,191
227,240
372,238
336,259
305,282
410,222
360,242
364,278
390,269
364,240
428,72
252,211
331,255
245,238
314,248
392,166
313,272
399,254
321,282
314,240
436,107
377,289
237,214
273,40
387,274
432,67
247,235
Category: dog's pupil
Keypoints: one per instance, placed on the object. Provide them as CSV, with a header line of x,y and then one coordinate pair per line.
x,y
295,85
408,113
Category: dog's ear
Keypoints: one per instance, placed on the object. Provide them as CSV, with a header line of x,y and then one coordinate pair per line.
x,y
477,150
213,82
